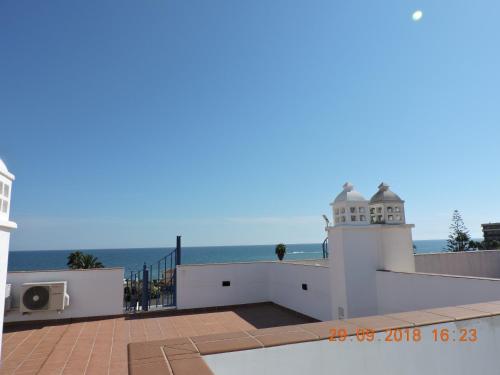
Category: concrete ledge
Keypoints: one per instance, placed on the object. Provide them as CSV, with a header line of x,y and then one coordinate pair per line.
x,y
298,262
456,252
7,174
441,275
7,225
184,356
72,270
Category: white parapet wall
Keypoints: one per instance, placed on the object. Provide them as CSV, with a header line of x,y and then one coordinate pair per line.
x,y
356,253
201,285
5,229
287,282
401,291
300,287
484,263
94,292
426,356
6,226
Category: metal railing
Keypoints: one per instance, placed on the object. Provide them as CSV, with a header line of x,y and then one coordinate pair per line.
x,y
153,287
325,248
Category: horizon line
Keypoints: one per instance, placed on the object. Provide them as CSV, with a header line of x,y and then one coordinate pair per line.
x,y
195,246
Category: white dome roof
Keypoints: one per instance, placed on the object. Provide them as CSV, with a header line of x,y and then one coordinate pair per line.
x,y
5,172
349,194
384,194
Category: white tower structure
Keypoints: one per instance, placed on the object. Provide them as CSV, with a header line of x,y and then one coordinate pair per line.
x,y
358,250
6,226
350,207
386,207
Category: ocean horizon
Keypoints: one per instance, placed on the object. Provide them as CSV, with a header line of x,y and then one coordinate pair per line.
x,y
132,259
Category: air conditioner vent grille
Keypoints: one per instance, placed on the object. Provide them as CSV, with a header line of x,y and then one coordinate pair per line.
x,y
36,298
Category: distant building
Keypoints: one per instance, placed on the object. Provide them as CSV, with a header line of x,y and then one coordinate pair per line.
x,y
491,231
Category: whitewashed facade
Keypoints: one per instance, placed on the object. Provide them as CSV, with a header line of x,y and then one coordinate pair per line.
x,y
6,226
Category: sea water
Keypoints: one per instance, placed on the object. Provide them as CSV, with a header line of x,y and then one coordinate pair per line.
x,y
133,259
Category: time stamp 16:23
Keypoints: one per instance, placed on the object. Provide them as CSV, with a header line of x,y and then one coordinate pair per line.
x,y
399,335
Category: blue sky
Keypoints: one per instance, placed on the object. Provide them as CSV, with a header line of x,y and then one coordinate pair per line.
x,y
237,122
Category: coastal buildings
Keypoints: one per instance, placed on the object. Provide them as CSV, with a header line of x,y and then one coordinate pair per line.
x,y
371,307
491,231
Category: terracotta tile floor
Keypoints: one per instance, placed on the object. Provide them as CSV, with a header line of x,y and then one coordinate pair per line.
x,y
100,346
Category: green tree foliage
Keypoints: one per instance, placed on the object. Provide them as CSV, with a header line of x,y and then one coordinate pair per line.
x,y
78,260
74,260
280,251
485,245
459,238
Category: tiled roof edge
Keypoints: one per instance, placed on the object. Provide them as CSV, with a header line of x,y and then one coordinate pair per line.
x,y
184,356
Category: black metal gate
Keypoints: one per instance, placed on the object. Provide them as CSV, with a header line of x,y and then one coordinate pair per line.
x,y
325,248
153,287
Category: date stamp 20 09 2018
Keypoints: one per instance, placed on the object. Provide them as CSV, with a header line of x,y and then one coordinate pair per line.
x,y
399,335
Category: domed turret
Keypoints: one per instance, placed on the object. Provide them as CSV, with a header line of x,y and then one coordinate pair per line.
x,y
386,207
3,167
6,179
350,207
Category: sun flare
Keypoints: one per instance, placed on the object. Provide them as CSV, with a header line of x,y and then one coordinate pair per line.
x,y
417,15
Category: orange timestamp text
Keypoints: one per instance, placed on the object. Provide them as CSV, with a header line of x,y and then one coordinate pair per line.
x,y
397,335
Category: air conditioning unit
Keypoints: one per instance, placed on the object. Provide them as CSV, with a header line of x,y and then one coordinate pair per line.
x,y
8,298
45,296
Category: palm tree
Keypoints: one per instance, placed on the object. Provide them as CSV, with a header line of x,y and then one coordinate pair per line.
x,y
280,251
78,260
75,260
90,261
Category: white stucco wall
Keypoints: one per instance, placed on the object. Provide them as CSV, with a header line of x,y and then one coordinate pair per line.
x,y
6,226
285,288
97,292
484,263
281,283
355,254
354,257
4,260
396,248
201,285
375,358
398,292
